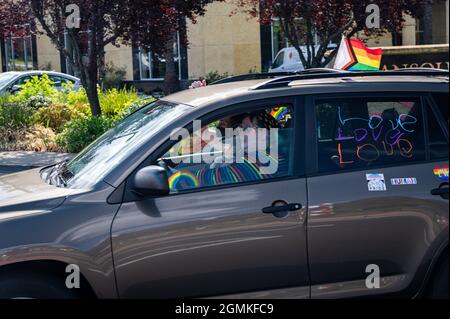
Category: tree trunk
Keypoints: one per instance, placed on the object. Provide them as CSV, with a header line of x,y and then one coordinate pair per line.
x,y
92,95
428,23
94,56
171,81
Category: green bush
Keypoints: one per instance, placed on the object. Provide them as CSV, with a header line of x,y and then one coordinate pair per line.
x,y
114,102
56,115
41,87
14,116
72,97
79,133
36,101
65,112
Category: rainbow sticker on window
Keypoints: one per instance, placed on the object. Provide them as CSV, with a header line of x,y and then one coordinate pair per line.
x,y
279,112
441,173
183,179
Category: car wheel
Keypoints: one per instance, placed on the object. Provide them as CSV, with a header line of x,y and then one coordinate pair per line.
x,y
31,286
438,288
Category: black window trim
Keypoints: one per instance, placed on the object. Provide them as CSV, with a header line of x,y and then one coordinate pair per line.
x,y
438,114
311,106
300,152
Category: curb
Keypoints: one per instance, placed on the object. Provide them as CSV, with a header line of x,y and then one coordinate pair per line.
x,y
31,159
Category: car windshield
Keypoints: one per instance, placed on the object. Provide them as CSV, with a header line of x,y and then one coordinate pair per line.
x,y
109,150
5,78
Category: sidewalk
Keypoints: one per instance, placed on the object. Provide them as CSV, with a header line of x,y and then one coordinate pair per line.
x,y
31,159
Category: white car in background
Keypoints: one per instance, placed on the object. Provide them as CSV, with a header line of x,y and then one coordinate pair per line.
x,y
288,59
11,82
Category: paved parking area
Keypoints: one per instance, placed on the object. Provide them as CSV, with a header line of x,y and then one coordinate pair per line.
x,y
4,170
12,162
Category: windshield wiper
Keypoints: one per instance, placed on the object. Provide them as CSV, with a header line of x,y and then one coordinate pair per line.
x,y
59,174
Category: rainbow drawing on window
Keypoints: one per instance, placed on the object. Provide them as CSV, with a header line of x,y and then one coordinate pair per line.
x,y
183,177
279,112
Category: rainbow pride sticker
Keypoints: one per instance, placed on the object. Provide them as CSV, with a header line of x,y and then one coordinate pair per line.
x,y
183,179
441,173
278,112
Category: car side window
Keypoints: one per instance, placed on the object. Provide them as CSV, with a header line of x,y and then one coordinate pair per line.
x,y
278,61
59,81
438,143
442,102
22,80
365,132
239,148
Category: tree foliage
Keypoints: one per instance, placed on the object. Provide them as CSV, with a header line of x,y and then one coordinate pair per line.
x,y
329,19
146,23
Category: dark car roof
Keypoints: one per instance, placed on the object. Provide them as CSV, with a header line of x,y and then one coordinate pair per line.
x,y
242,91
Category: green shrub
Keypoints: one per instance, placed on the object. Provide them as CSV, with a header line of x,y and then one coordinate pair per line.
x,y
56,116
36,101
14,115
79,133
71,97
66,113
41,87
114,102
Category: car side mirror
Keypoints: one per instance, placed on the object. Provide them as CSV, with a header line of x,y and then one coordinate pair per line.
x,y
151,180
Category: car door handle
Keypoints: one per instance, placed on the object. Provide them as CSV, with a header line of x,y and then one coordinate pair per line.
x,y
282,208
440,191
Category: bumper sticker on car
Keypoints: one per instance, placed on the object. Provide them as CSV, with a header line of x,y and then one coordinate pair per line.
x,y
376,182
404,181
441,173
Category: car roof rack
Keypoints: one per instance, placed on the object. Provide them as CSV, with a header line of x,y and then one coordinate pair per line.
x,y
252,76
286,80
262,76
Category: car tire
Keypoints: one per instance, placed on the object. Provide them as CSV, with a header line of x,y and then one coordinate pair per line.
x,y
438,287
32,286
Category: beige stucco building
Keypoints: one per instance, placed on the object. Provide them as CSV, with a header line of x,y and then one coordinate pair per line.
x,y
219,42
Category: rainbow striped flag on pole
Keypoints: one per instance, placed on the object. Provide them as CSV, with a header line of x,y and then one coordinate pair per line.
x,y
353,55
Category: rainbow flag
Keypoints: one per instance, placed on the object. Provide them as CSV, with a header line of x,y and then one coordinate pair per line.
x,y
353,55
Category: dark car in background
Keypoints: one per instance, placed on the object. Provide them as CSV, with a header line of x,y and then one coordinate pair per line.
x,y
356,207
11,82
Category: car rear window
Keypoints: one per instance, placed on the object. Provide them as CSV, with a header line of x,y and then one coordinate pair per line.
x,y
365,132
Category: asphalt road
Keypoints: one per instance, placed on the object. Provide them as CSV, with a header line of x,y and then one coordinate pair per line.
x,y
11,169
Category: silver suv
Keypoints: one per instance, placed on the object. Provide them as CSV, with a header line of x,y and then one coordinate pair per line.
x,y
322,184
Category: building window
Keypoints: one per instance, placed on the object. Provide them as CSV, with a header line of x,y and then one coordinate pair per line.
x,y
18,54
153,67
279,40
419,31
83,44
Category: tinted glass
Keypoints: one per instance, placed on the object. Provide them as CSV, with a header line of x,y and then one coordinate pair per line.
x,y
442,102
278,61
438,142
240,148
365,132
59,81
22,80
